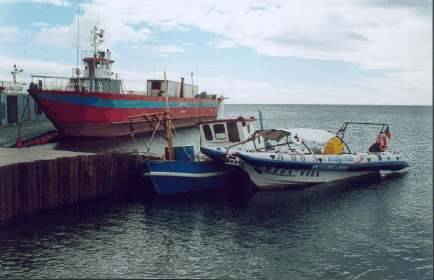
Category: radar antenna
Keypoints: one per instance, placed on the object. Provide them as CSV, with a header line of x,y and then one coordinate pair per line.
x,y
97,38
14,73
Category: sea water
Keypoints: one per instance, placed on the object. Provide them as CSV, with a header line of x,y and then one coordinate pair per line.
x,y
362,230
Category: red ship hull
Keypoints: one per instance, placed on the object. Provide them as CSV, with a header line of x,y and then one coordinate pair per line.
x,y
86,114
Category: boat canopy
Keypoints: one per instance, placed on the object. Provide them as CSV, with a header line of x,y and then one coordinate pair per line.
x,y
305,134
316,141
273,134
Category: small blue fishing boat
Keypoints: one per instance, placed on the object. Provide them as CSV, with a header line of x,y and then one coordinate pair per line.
x,y
183,171
186,174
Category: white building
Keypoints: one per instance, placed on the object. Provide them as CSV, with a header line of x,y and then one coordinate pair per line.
x,y
16,104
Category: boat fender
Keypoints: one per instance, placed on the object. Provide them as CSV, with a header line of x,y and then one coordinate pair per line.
x,y
358,158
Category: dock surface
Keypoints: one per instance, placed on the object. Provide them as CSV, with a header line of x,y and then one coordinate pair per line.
x,y
9,156
29,129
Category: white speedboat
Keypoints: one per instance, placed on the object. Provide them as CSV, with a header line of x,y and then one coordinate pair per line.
x,y
305,156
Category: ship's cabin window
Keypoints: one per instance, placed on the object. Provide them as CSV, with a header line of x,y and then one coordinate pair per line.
x,y
219,131
233,133
156,85
207,132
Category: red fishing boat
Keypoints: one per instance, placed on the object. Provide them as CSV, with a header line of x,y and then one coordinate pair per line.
x,y
95,104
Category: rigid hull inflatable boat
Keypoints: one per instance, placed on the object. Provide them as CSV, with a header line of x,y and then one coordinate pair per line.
x,y
304,156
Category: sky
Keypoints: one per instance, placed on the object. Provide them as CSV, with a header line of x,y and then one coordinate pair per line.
x,y
252,51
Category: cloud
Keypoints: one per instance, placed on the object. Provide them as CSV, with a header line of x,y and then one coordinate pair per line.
x,y
164,50
169,49
374,36
394,37
40,24
66,36
35,66
225,44
374,90
7,33
32,67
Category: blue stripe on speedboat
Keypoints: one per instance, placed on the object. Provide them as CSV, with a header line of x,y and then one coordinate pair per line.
x,y
95,101
389,165
368,166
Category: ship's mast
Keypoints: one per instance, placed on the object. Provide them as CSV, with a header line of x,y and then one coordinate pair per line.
x,y
97,39
78,36
167,122
192,91
14,73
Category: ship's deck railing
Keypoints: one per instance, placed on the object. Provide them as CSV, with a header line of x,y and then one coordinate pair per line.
x,y
74,84
89,53
52,83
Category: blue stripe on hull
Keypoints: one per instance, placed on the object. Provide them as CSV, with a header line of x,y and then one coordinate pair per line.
x,y
167,185
371,166
179,176
95,101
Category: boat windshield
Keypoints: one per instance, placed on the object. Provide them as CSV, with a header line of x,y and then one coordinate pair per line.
x,y
302,140
320,141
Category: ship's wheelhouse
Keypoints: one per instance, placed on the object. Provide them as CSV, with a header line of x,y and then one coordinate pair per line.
x,y
227,131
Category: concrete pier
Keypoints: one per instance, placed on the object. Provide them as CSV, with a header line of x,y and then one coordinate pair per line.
x,y
34,178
